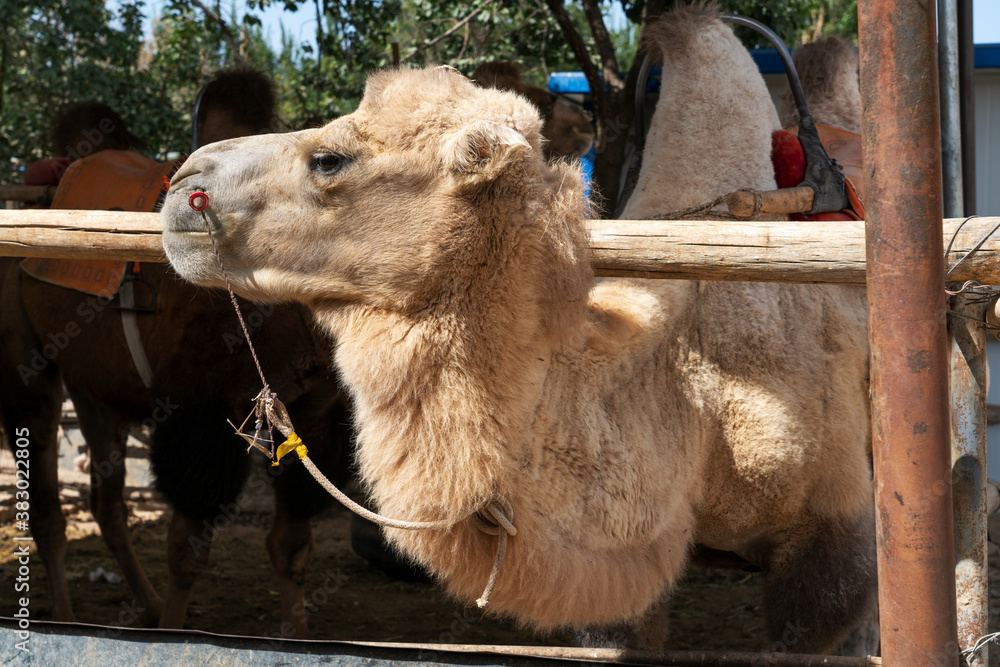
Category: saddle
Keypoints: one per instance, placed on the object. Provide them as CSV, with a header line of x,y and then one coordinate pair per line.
x,y
844,150
109,180
113,180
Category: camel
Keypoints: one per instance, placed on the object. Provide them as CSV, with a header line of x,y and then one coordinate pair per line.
x,y
197,354
566,127
707,75
195,347
828,70
620,421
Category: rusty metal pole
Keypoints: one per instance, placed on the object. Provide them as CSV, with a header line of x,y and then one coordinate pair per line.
x,y
967,338
901,138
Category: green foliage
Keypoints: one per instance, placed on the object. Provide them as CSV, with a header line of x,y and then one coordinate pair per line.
x,y
840,17
356,37
60,51
187,48
795,21
519,31
53,52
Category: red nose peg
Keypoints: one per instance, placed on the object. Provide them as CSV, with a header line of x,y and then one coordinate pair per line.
x,y
198,201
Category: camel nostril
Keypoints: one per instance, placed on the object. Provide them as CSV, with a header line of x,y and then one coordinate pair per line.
x,y
198,201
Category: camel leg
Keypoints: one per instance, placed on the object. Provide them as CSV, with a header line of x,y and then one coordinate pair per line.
x,y
188,546
106,440
820,585
31,396
33,411
289,544
864,639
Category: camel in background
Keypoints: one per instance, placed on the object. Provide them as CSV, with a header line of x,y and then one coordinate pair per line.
x,y
567,128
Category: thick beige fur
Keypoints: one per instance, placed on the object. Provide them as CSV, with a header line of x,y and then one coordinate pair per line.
x,y
713,122
828,70
622,420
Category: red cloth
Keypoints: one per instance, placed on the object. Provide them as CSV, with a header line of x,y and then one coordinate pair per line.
x,y
788,158
46,172
789,162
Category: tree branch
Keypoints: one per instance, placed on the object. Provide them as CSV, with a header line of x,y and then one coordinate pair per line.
x,y
576,43
227,34
650,12
451,30
605,49
3,65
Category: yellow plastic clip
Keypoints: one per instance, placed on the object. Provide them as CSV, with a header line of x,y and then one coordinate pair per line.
x,y
293,443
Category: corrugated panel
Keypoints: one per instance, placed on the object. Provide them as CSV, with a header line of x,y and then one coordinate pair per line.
x,y
81,644
988,143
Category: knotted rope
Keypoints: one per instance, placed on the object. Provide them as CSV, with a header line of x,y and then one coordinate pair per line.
x,y
493,519
704,211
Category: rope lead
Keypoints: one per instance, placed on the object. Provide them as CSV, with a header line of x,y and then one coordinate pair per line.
x,y
497,522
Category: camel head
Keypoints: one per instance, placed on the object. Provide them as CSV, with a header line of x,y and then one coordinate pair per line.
x,y
568,130
423,191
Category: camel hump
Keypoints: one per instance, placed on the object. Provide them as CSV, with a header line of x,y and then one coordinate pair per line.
x,y
498,74
682,30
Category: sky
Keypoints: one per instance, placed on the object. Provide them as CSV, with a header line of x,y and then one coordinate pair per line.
x,y
302,24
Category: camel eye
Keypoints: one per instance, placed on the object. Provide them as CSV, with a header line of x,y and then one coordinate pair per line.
x,y
329,163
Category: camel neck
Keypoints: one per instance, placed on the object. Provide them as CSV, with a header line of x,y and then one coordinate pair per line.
x,y
441,413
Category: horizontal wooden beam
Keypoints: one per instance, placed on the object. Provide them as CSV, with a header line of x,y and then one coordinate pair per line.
x,y
81,234
28,193
786,251
799,252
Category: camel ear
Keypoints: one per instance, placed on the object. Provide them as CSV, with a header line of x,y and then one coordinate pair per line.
x,y
485,149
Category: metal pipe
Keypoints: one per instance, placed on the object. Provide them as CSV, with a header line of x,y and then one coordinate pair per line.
x,y
901,140
967,82
951,117
967,339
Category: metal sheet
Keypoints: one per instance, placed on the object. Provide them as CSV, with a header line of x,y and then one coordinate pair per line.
x,y
80,644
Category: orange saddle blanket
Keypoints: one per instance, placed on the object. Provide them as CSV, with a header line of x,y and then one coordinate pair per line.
x,y
108,180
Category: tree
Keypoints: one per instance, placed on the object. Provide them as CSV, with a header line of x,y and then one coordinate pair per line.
x,y
354,37
191,41
58,51
53,52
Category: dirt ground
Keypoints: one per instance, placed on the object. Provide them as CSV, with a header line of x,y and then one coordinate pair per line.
x,y
348,598
238,593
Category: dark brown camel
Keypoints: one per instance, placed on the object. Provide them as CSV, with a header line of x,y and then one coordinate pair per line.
x,y
203,373
566,127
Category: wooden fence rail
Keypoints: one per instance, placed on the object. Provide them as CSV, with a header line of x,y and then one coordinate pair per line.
x,y
800,252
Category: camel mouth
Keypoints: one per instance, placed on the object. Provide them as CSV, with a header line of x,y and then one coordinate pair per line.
x,y
190,254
